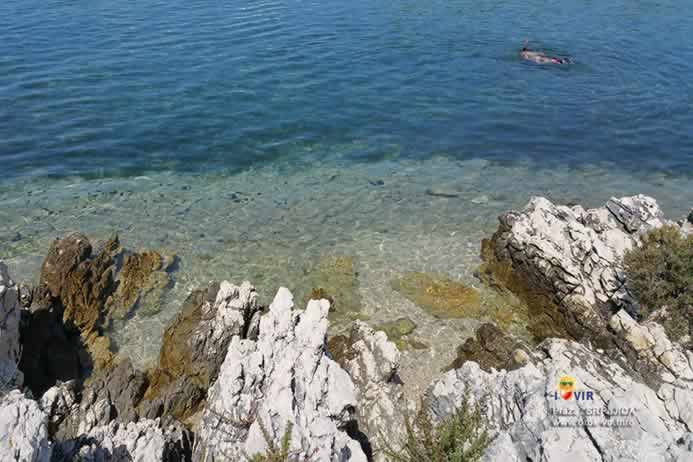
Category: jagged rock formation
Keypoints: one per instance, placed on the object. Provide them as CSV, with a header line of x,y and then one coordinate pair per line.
x,y
140,441
575,255
624,420
23,429
81,289
373,363
284,380
195,345
10,349
50,352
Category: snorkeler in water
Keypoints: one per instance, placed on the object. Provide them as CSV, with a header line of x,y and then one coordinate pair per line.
x,y
540,57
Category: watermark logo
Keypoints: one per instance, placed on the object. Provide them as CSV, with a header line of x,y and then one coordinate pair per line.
x,y
567,390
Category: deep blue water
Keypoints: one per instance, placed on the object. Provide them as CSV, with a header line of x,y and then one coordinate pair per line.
x,y
115,87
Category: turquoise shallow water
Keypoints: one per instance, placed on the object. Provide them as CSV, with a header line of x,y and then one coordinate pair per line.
x,y
254,139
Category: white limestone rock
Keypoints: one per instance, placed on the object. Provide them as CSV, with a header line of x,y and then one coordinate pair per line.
x,y
530,422
284,378
577,254
373,365
23,430
142,441
10,349
667,361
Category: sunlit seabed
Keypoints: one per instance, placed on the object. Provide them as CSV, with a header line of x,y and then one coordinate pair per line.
x,y
269,224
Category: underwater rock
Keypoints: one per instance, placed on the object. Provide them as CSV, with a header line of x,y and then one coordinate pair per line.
x,y
282,380
399,332
438,295
10,315
490,348
440,192
610,415
334,278
141,282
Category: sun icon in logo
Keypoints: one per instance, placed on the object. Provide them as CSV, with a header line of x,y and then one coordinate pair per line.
x,y
566,386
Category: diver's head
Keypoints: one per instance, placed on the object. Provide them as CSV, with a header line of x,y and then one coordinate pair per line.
x,y
525,48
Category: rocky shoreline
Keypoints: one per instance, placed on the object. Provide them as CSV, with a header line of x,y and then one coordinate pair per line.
x,y
232,374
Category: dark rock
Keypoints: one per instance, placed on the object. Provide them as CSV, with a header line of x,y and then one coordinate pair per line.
x,y
490,348
25,296
442,193
195,345
339,349
50,353
113,393
179,399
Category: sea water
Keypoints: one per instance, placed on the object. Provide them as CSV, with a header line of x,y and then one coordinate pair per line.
x,y
253,138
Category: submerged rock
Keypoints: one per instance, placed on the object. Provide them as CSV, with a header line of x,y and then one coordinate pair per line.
x,y
400,332
334,278
283,381
609,415
439,295
141,283
10,348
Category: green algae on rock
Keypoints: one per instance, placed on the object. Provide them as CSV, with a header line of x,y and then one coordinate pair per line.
x,y
399,332
536,308
439,295
335,279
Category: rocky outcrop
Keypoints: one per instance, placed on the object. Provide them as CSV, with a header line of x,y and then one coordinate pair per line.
x,y
195,345
141,282
81,279
491,348
282,382
575,255
140,441
373,364
651,353
10,349
23,429
608,416
50,351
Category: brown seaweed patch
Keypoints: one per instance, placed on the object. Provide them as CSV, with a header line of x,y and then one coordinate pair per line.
x,y
142,282
439,295
536,307
400,332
